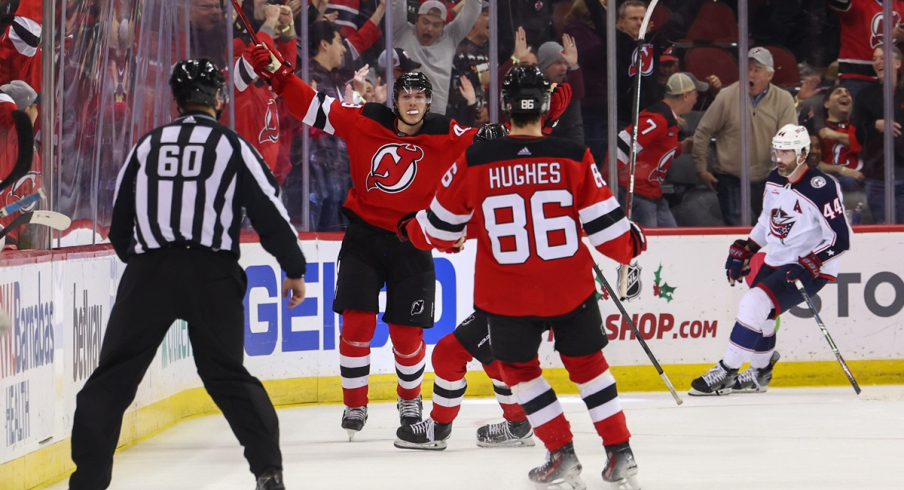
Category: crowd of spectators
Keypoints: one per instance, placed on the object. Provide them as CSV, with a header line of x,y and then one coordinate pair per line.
x,y
817,62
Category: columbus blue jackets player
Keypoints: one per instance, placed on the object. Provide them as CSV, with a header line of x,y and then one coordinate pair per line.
x,y
806,231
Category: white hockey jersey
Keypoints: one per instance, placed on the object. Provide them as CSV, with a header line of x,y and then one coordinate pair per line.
x,y
802,217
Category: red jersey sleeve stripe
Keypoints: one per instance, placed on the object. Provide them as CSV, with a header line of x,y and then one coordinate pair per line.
x,y
318,115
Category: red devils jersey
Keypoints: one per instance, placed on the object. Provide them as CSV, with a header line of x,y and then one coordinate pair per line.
x,y
526,200
657,145
837,153
393,174
861,33
9,152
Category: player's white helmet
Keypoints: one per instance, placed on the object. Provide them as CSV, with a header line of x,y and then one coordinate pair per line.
x,y
791,137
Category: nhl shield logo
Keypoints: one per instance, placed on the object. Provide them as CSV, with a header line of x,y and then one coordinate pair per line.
x,y
634,285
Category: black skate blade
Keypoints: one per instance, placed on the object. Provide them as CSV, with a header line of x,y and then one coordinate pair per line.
x,y
430,446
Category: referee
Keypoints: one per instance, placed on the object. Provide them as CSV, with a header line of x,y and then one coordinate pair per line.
x,y
177,213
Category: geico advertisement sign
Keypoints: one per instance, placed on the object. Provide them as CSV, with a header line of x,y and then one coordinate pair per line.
x,y
270,326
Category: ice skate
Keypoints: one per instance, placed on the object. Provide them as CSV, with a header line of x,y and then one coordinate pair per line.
x,y
718,381
410,411
754,380
270,480
353,420
621,468
427,435
506,434
562,470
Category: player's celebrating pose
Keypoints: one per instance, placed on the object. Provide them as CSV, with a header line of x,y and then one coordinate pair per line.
x,y
396,160
804,225
526,196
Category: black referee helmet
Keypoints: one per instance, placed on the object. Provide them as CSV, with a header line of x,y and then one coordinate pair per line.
x,y
525,90
197,82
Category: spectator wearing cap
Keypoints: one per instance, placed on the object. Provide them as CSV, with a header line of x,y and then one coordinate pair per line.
x,y
657,146
401,63
432,43
472,60
560,65
768,109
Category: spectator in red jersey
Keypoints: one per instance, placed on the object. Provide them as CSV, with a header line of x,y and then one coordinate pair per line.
x,y
256,113
862,30
657,146
838,140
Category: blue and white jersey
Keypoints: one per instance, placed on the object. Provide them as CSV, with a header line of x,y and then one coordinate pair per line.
x,y
802,217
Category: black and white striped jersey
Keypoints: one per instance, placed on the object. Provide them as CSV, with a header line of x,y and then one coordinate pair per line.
x,y
190,182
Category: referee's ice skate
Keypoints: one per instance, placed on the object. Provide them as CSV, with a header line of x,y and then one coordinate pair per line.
x,y
621,468
506,434
353,420
562,470
270,480
428,435
717,381
755,380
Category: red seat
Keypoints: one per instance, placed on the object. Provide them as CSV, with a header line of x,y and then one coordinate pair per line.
x,y
661,16
787,75
715,22
704,61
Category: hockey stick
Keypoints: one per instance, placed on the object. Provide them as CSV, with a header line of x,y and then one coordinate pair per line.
x,y
57,221
25,131
640,339
237,6
632,162
822,326
21,203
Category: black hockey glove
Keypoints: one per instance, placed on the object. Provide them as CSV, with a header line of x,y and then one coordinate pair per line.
x,y
807,266
737,265
402,225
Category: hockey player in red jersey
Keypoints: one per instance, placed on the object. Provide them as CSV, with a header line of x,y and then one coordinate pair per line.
x,y
525,197
451,355
398,157
804,225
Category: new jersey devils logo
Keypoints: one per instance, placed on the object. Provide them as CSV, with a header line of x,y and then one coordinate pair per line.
x,y
393,167
842,155
270,133
877,27
646,61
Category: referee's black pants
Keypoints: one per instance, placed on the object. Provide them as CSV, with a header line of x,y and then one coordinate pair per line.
x,y
206,289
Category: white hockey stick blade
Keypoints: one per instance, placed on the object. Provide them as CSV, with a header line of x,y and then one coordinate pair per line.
x,y
646,20
57,221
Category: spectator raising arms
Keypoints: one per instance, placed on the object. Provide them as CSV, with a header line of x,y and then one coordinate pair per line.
x,y
432,43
